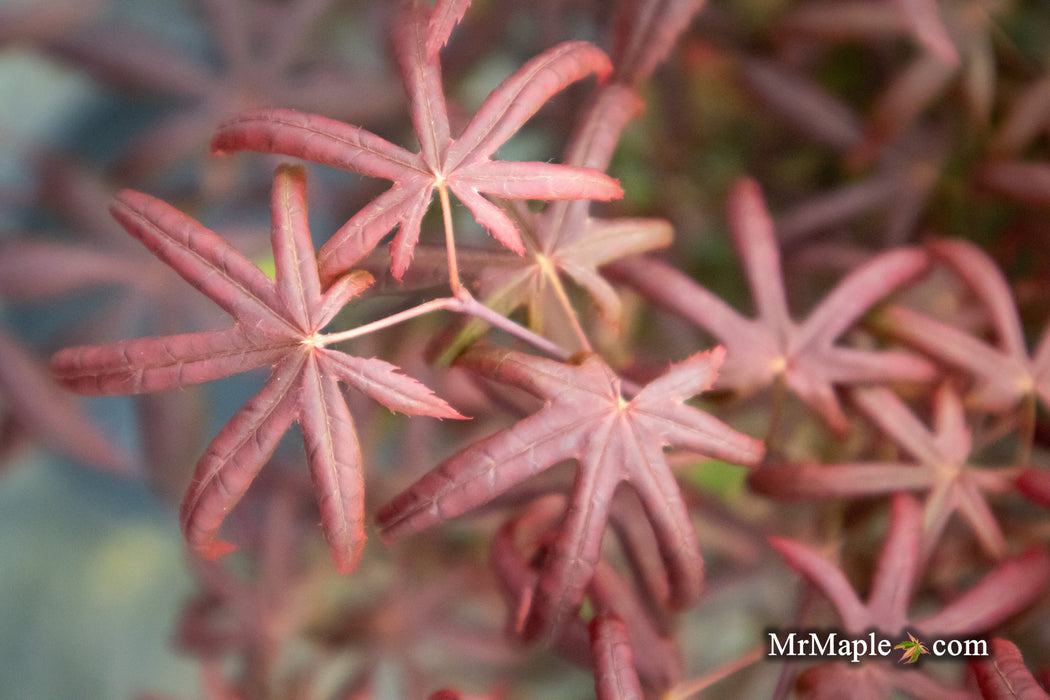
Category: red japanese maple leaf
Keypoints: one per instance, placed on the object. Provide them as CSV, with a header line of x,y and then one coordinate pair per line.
x,y
941,466
1007,589
278,324
565,241
1004,373
462,165
805,354
585,417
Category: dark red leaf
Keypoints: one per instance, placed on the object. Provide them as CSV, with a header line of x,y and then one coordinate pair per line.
x,y
614,439
1005,372
940,466
462,165
278,324
805,354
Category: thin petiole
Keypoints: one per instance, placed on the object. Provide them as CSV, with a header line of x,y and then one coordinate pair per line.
x,y
465,303
450,241
470,305
445,303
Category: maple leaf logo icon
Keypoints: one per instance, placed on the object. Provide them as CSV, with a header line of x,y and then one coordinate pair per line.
x,y
912,649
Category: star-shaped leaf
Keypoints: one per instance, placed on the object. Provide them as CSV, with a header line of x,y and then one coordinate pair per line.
x,y
1005,373
771,345
940,467
565,241
585,417
462,164
534,282
278,325
896,573
1025,578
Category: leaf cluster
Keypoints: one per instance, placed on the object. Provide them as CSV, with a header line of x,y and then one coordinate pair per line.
x,y
596,377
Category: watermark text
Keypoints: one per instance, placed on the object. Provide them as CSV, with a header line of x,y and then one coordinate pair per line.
x,y
834,644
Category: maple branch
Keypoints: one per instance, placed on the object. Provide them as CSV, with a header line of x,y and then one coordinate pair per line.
x,y
470,305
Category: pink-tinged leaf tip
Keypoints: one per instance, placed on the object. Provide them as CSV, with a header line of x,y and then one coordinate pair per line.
x,y
443,19
346,562
214,549
715,357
